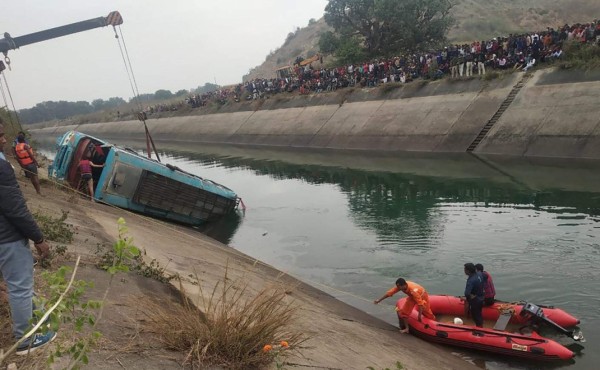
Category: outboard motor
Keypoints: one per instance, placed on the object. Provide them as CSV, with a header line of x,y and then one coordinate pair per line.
x,y
536,313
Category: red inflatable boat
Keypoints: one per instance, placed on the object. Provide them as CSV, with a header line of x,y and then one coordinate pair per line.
x,y
501,332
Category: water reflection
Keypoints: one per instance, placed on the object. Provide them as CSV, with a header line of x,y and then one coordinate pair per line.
x,y
401,208
223,229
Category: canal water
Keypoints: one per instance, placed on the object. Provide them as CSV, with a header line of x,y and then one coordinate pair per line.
x,y
351,224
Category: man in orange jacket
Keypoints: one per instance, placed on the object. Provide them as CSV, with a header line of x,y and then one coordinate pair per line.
x,y
417,295
24,154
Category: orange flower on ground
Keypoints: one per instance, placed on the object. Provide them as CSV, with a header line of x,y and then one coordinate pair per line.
x,y
284,344
267,348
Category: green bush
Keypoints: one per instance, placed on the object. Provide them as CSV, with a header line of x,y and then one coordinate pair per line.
x,y
55,228
580,56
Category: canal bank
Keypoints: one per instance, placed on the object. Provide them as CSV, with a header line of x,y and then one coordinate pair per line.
x,y
341,336
548,113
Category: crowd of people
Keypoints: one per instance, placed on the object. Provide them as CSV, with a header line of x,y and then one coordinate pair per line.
x,y
521,52
518,52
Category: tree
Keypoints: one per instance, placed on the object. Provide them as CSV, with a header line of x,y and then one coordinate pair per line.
x,y
142,97
391,26
350,52
328,42
208,87
163,94
98,104
114,102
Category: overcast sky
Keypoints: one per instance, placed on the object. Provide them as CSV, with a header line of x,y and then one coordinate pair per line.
x,y
173,44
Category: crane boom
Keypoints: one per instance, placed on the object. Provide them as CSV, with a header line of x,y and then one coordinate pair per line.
x,y
9,43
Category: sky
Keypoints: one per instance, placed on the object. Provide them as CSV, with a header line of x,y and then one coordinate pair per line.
x,y
172,44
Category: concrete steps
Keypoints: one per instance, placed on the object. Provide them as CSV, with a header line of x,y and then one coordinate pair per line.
x,y
503,107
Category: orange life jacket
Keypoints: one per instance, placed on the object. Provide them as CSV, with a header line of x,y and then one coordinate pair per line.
x,y
23,154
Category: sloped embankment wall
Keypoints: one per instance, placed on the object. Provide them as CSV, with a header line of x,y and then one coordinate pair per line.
x,y
554,114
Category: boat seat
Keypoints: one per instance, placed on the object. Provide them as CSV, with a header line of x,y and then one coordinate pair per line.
x,y
502,321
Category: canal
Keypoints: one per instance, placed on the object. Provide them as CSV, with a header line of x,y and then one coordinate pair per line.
x,y
351,224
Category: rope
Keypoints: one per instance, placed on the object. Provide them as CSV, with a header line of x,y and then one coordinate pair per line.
x,y
508,307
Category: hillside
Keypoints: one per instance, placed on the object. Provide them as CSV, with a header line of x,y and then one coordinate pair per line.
x,y
475,20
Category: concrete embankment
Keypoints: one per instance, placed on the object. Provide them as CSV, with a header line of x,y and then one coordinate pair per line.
x,y
553,114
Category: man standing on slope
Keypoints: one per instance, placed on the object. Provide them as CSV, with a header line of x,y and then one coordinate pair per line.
x,y
417,295
17,227
25,157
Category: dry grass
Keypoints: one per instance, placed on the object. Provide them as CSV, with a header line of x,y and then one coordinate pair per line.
x,y
229,327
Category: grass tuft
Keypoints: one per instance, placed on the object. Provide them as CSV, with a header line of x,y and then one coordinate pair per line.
x,y
229,328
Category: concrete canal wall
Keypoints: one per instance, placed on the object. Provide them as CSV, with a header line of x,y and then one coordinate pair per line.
x,y
548,114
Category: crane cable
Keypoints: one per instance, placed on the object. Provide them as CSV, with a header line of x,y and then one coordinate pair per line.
x,y
10,115
128,67
135,90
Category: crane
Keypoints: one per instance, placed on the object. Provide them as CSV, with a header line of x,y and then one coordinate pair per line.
x,y
113,19
10,43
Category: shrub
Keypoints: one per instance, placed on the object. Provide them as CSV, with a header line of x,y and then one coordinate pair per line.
x,y
390,86
55,228
491,76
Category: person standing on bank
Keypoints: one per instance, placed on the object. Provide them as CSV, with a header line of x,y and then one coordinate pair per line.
x,y
474,293
417,295
488,286
17,227
27,161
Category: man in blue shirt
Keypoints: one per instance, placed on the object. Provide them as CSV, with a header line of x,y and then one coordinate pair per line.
x,y
17,227
474,293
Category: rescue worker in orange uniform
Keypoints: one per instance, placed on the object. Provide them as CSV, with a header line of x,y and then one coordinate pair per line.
x,y
26,159
417,295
